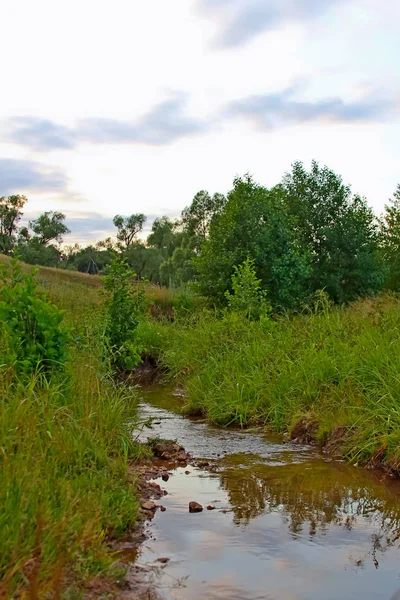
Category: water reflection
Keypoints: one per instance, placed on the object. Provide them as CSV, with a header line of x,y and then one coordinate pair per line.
x,y
312,496
299,527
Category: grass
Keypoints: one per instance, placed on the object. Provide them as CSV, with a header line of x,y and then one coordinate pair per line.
x,y
64,448
339,367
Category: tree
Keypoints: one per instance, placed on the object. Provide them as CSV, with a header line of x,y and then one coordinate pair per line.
x,y
129,227
338,229
163,236
49,227
34,252
10,215
197,218
91,260
254,224
390,240
144,261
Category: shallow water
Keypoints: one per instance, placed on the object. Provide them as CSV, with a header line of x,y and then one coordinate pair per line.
x,y
299,526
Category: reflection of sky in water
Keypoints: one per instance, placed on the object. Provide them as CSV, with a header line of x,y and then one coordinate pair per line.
x,y
296,531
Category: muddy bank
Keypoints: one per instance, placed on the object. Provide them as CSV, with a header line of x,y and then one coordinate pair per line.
x,y
335,445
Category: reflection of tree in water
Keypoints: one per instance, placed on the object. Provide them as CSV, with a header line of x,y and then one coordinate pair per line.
x,y
315,496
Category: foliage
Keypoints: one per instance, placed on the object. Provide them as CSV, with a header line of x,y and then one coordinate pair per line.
x,y
390,240
144,261
124,304
50,226
163,236
35,335
10,215
331,364
129,227
339,231
64,488
247,297
254,224
197,218
34,252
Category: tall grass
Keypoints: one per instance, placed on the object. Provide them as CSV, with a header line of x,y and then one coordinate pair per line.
x,y
64,447
338,366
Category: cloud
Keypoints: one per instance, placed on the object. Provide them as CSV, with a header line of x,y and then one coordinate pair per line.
x,y
280,109
241,21
39,134
163,124
18,176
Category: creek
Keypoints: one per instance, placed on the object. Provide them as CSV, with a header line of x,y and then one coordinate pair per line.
x,y
289,523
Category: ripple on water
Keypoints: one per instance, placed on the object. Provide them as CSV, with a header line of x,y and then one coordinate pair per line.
x,y
299,526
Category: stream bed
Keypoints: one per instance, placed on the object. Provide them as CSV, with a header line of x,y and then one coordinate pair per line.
x,y
289,523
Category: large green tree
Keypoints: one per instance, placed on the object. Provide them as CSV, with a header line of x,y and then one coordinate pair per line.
x,y
390,240
10,215
254,224
337,228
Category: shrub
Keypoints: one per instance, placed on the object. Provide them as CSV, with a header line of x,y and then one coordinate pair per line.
x,y
36,339
125,303
247,297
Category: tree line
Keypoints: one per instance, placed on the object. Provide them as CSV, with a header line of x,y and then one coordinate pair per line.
x,y
308,233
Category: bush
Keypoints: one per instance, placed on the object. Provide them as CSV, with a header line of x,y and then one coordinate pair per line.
x,y
247,297
35,337
125,303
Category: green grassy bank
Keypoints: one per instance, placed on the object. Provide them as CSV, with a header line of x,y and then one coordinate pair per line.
x,y
64,447
338,367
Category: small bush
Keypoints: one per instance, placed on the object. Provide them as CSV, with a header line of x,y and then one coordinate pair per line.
x,y
125,303
247,297
35,337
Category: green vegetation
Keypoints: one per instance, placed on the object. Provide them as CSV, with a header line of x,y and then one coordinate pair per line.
x,y
336,366
278,307
309,232
65,437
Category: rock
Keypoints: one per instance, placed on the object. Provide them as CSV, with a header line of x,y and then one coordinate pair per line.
x,y
162,508
195,507
181,456
163,560
203,463
187,472
149,505
165,476
210,507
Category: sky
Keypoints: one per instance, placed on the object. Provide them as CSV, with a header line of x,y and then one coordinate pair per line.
x,y
134,106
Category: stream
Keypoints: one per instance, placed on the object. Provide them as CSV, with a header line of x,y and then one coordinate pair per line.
x,y
289,523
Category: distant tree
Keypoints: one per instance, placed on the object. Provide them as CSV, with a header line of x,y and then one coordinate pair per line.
x,y
145,262
10,215
50,226
197,218
91,260
390,240
34,252
129,228
163,236
254,224
338,229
